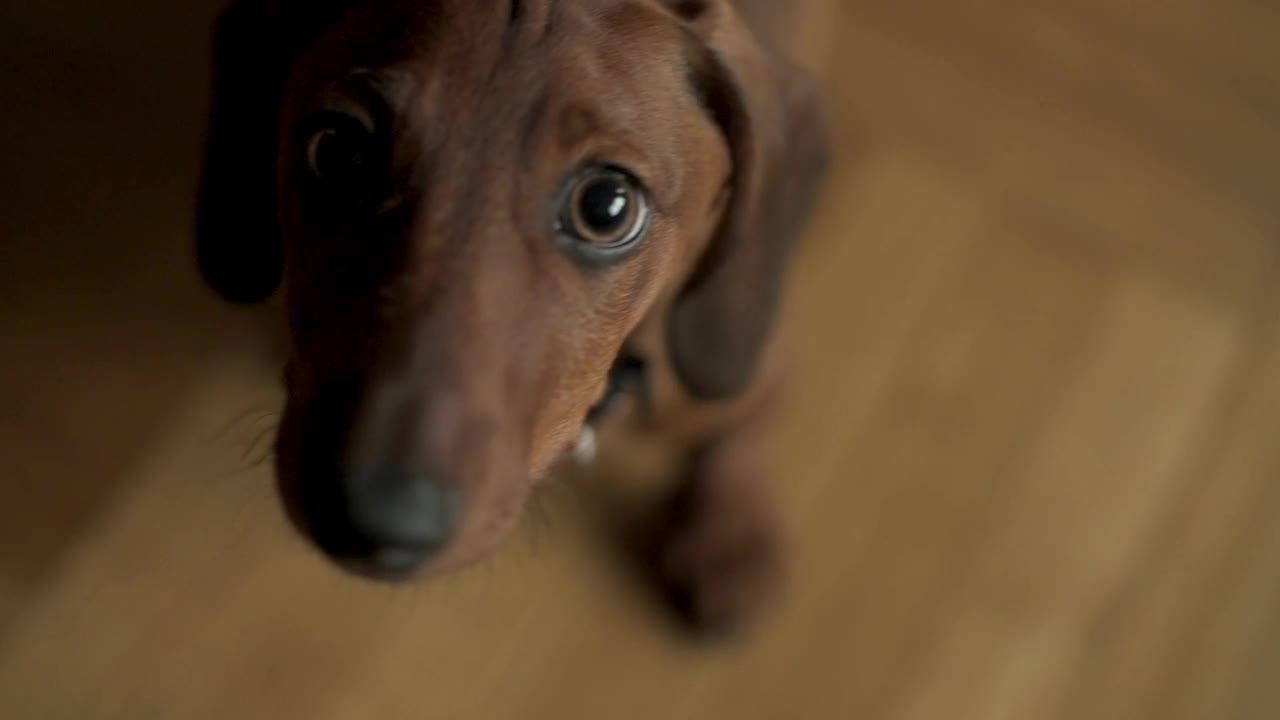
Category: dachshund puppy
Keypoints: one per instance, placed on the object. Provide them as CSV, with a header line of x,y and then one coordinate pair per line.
x,y
484,216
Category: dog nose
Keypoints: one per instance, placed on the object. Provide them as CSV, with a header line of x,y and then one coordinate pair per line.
x,y
390,524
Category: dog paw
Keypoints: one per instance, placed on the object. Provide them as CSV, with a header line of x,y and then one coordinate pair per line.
x,y
720,559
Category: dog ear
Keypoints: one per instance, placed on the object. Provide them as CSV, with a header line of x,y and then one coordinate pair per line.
x,y
238,245
771,118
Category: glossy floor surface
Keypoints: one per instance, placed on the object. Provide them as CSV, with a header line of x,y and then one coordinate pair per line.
x,y
1032,466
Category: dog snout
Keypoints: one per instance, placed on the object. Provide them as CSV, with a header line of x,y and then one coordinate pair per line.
x,y
387,475
391,523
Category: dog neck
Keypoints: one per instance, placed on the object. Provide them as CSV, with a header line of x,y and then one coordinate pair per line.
x,y
627,376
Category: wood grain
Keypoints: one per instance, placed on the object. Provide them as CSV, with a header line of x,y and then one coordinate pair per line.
x,y
1031,464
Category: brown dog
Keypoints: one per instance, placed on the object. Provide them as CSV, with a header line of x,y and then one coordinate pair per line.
x,y
487,215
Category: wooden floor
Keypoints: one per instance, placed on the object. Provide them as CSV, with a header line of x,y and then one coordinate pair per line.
x,y
1032,467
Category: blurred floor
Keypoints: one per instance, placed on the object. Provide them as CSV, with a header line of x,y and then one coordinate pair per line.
x,y
1032,461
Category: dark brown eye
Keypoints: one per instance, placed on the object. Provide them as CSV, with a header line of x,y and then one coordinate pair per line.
x,y
346,161
340,153
605,209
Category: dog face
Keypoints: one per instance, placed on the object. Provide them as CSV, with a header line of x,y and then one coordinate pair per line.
x,y
471,206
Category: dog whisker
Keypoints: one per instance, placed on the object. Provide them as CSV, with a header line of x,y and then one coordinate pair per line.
x,y
256,443
252,416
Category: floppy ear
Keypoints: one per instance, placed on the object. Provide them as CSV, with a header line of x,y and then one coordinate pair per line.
x,y
238,244
771,118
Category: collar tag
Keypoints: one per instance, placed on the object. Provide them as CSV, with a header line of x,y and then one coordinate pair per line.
x,y
586,449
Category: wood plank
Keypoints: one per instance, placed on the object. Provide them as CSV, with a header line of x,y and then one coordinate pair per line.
x,y
1029,462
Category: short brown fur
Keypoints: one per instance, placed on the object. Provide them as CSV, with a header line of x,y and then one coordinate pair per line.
x,y
441,329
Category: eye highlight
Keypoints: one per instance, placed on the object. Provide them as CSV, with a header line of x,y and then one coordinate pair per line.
x,y
603,214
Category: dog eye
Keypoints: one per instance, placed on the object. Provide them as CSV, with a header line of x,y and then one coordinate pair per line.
x,y
606,208
604,211
333,154
342,153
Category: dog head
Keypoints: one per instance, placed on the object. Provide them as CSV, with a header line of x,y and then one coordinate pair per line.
x,y
470,206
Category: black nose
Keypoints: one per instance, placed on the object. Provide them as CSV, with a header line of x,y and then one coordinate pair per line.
x,y
391,523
